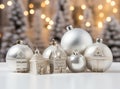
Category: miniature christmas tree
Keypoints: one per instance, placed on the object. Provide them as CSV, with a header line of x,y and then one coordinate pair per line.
x,y
62,19
111,37
37,27
15,29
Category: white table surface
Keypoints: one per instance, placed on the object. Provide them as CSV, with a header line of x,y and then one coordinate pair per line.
x,y
107,80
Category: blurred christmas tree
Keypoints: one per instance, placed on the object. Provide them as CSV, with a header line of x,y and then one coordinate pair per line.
x,y
88,20
15,29
37,27
111,36
62,19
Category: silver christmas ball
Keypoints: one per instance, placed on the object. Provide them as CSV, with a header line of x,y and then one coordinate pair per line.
x,y
75,39
18,51
47,51
99,57
76,62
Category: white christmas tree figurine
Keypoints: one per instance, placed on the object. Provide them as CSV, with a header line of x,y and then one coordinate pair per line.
x,y
111,37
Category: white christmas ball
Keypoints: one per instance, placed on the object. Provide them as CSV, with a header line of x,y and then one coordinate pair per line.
x,y
75,39
76,63
99,57
18,51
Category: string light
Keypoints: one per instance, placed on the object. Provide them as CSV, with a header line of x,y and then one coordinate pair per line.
x,y
87,24
26,13
47,2
9,3
100,25
83,6
101,14
43,4
115,10
100,7
51,22
49,27
43,16
108,19
32,11
2,6
113,3
81,17
31,5
47,19
72,8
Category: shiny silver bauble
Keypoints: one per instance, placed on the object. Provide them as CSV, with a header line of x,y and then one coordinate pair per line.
x,y
76,63
47,51
99,57
76,38
18,51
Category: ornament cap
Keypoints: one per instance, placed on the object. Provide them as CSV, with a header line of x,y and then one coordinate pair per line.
x,y
37,51
19,42
53,42
70,27
99,40
75,52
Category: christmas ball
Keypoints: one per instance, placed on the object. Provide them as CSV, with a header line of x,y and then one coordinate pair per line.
x,y
98,56
76,38
47,51
76,62
18,51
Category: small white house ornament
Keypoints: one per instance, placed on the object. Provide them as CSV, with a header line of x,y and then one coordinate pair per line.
x,y
38,65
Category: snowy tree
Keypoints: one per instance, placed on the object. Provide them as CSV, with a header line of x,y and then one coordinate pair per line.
x,y
38,27
87,23
15,30
111,37
62,19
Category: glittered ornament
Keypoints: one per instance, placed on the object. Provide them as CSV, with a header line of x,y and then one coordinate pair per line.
x,y
18,57
99,57
38,65
75,38
76,62
57,60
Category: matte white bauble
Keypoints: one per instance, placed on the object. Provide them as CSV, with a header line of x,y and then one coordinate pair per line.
x,y
75,38
18,51
99,57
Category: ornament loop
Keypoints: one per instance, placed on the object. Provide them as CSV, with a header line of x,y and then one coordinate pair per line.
x,y
53,42
75,52
99,40
70,27
19,42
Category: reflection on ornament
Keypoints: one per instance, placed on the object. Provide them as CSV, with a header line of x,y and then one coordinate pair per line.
x,y
75,38
99,56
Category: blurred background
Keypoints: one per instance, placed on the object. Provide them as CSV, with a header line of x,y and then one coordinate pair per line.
x,y
36,22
